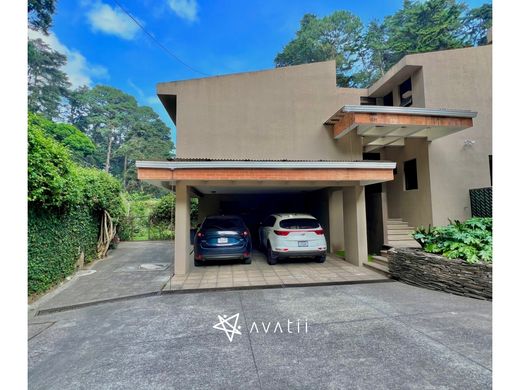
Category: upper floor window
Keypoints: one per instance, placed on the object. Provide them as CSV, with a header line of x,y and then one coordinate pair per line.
x,y
388,99
410,175
405,93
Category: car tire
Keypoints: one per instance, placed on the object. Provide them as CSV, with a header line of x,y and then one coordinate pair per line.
x,y
199,263
247,260
321,259
271,257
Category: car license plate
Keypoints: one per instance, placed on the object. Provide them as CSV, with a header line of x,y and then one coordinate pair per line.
x,y
303,243
222,240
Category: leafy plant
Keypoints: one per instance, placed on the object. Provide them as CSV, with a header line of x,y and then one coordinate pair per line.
x,y
471,240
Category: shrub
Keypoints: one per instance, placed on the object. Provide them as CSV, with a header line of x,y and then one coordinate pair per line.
x,y
55,243
471,240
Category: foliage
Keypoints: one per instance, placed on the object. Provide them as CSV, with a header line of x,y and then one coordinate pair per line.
x,y
48,85
122,131
423,26
471,240
77,142
332,37
364,53
55,243
163,210
39,13
51,172
476,23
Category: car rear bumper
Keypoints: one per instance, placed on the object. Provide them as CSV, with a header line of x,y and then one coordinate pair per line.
x,y
310,253
241,252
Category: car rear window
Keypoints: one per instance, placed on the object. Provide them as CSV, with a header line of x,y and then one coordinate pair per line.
x,y
299,223
223,223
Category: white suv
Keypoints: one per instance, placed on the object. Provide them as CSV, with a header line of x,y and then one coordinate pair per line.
x,y
292,235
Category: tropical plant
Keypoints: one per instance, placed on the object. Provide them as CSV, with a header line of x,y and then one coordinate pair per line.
x,y
471,240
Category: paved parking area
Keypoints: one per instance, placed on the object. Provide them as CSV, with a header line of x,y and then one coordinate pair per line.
x,y
137,267
259,273
362,336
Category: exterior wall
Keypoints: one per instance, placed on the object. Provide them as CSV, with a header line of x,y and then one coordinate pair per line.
x,y
273,114
413,206
458,79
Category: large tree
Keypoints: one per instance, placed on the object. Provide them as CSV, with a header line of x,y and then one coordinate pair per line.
x,y
423,26
334,37
39,14
48,85
476,24
122,131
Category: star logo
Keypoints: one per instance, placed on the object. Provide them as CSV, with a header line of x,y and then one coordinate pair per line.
x,y
228,325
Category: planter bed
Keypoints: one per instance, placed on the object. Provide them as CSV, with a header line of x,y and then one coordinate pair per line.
x,y
416,267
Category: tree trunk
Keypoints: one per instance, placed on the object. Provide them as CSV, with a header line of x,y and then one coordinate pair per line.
x,y
109,151
124,171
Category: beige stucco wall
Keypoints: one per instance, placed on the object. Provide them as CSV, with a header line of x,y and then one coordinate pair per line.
x,y
273,114
458,79
412,206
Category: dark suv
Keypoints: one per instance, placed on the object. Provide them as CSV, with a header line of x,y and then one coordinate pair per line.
x,y
222,237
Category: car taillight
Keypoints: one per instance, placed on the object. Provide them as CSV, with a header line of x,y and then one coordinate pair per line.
x,y
281,232
319,231
199,234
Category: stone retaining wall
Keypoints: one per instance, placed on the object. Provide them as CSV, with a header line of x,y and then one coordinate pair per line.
x,y
416,267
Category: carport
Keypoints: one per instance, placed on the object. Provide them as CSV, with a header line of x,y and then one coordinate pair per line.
x,y
333,191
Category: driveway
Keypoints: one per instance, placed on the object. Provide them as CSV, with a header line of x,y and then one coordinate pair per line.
x,y
138,267
366,336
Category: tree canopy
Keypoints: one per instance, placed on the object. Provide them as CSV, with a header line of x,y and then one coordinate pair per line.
x,y
39,14
364,53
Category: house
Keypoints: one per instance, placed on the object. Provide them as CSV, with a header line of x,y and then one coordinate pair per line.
x,y
408,148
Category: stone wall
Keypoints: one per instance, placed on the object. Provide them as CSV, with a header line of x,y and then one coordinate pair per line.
x,y
416,267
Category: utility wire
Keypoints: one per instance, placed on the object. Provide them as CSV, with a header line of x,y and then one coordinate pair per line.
x,y
164,48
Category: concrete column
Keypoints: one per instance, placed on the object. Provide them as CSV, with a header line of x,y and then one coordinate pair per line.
x,y
335,221
182,259
355,225
384,210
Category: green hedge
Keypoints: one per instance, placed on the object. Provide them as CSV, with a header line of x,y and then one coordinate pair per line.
x,y
55,242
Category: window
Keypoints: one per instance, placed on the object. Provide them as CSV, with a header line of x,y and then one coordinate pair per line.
x,y
405,93
491,168
388,99
299,223
410,175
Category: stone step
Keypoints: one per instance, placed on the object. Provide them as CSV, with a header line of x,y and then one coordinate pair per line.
x,y
384,253
382,269
404,244
380,260
399,227
397,223
395,219
399,237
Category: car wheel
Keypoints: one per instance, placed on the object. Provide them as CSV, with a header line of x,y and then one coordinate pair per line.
x,y
271,257
321,259
199,263
247,260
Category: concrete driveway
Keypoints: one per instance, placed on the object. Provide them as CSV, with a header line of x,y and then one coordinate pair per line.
x,y
138,267
365,336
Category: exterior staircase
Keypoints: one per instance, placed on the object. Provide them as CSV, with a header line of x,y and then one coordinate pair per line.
x,y
399,236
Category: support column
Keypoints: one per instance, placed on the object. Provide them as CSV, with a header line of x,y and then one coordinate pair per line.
x,y
182,260
355,225
384,210
335,221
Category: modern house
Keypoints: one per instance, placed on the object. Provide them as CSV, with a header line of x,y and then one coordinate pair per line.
x,y
408,148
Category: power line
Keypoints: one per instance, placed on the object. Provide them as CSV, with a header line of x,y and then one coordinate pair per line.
x,y
164,48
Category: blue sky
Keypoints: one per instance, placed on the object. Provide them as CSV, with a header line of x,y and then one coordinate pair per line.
x,y
104,46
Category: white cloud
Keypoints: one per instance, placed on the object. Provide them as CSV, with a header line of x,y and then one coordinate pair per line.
x,y
112,21
79,70
186,9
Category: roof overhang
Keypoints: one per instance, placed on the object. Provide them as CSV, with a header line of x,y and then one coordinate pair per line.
x,y
388,126
282,174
